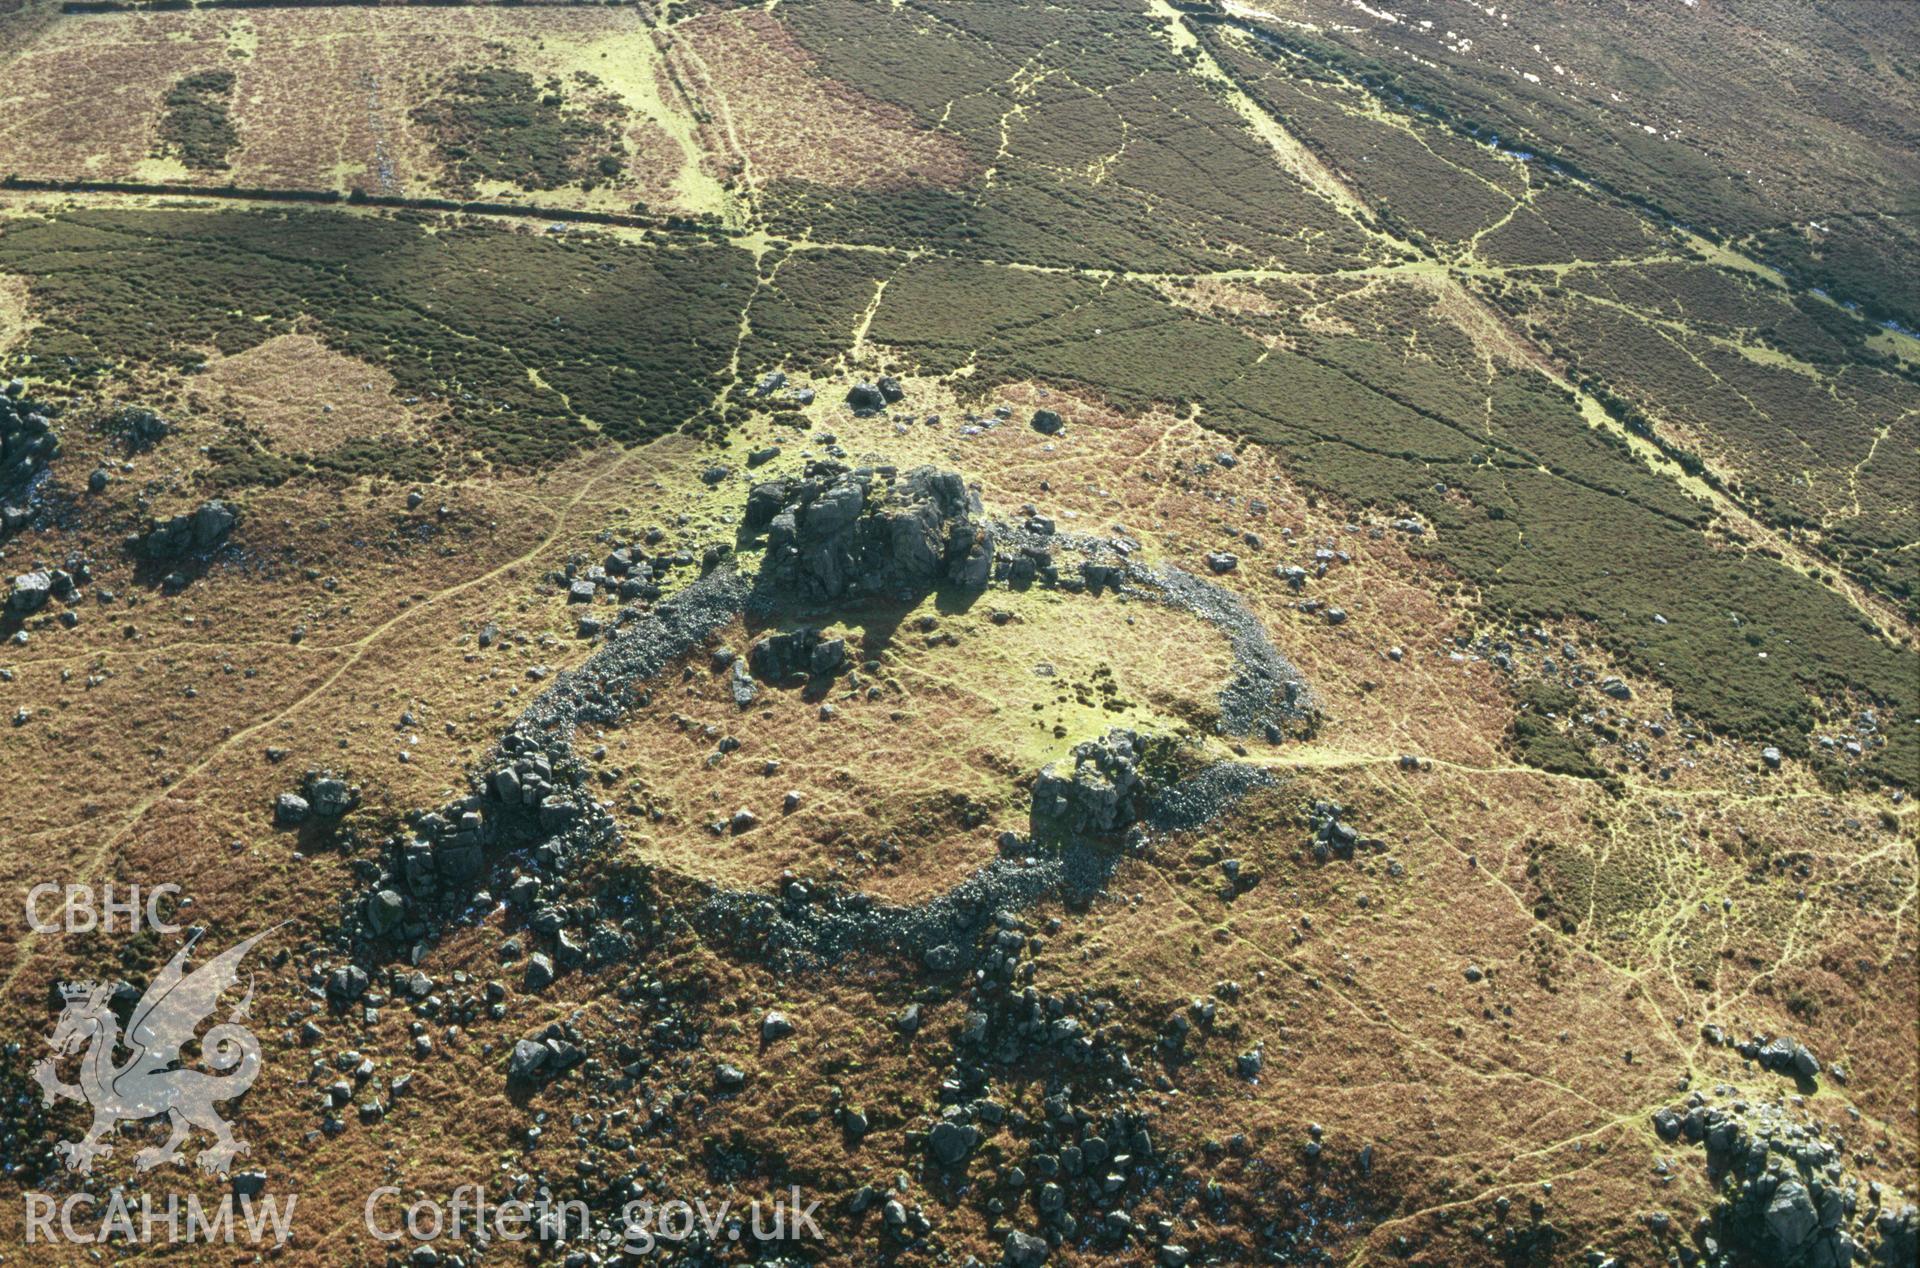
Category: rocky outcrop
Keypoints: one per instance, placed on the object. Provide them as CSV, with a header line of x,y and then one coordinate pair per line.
x,y
1781,1055
27,441
202,528
1093,791
838,533
1786,1196
1336,838
779,656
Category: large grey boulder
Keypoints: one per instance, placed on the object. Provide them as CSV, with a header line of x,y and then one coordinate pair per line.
x,y
1791,1217
866,398
347,984
328,794
528,1060
385,911
1024,1250
950,1142
30,590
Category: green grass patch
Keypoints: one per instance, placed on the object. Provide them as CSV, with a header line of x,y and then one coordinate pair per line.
x,y
1545,732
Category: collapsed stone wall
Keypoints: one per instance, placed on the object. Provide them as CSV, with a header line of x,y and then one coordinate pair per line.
x,y
833,536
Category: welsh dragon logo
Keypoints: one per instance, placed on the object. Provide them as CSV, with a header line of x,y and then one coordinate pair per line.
x,y
152,1081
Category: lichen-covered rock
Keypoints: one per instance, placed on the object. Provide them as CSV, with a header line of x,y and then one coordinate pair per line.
x,y
30,591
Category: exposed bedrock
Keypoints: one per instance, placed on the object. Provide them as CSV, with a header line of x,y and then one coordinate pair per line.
x,y
838,533
1093,789
1786,1194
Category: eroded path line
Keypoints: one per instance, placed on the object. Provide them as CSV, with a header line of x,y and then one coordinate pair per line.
x,y
1484,322
359,649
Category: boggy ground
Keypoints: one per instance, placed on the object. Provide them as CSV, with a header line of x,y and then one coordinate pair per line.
x,y
1494,998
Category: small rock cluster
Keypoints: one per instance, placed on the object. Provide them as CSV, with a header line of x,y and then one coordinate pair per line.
x,y
436,862
629,570
541,1057
526,782
31,591
1333,837
839,533
336,1081
202,528
323,795
139,428
1781,1055
870,398
772,382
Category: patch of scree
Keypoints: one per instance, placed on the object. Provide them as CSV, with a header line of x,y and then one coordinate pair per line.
x,y
1203,796
1264,688
804,927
